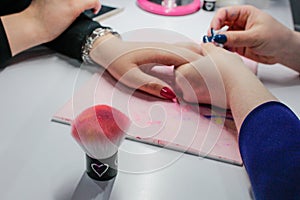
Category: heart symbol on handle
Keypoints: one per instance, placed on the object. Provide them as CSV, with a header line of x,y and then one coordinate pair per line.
x,y
100,169
209,5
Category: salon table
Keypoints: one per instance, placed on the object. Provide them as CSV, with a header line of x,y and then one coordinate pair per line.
x,y
40,160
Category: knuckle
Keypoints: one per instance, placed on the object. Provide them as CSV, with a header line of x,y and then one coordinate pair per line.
x,y
151,86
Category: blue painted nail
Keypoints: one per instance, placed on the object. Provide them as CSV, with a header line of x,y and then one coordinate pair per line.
x,y
212,32
220,38
207,39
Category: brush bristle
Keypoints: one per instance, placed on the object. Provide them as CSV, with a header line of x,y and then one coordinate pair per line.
x,y
100,130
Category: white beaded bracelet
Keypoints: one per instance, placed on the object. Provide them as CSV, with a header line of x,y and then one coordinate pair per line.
x,y
88,45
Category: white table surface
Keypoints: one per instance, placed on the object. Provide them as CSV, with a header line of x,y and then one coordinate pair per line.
x,y
40,160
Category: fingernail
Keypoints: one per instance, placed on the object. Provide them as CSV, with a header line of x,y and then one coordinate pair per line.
x,y
212,32
220,38
167,93
229,48
206,39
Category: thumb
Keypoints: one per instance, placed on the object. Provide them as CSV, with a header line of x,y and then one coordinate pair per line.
x,y
97,7
94,5
239,38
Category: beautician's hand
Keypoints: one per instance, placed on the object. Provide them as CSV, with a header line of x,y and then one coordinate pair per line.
x,y
123,60
43,21
258,36
222,79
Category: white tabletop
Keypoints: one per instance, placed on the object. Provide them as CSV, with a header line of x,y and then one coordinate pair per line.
x,y
40,160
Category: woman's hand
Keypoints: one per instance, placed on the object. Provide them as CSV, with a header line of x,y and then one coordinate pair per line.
x,y
221,78
202,81
257,35
43,21
123,60
55,16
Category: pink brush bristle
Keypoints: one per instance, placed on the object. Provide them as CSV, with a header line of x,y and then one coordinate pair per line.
x,y
99,130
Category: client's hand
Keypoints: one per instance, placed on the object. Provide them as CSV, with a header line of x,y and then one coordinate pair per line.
x,y
123,60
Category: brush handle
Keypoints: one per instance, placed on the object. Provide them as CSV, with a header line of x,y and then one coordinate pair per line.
x,y
103,169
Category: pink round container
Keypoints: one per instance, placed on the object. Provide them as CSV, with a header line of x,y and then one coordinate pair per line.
x,y
155,8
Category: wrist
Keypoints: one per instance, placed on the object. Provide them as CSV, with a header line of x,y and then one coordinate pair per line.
x,y
38,30
290,56
22,32
244,93
95,39
105,49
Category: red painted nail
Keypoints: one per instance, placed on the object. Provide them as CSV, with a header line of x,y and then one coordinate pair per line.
x,y
167,93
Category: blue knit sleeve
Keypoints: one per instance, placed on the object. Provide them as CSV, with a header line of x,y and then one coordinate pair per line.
x,y
270,147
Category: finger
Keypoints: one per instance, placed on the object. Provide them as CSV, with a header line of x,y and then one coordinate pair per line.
x,y
212,50
167,55
184,85
147,83
141,53
229,16
218,20
239,50
164,55
208,48
240,38
137,79
194,47
235,17
97,7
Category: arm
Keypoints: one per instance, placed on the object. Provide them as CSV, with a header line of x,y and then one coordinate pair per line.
x,y
41,26
269,136
269,144
22,32
8,7
123,59
105,50
243,89
39,23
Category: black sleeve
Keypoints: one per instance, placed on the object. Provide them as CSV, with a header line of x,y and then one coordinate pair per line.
x,y
71,41
5,53
13,6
